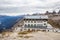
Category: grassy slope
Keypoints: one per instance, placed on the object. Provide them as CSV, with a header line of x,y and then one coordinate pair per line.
x,y
54,23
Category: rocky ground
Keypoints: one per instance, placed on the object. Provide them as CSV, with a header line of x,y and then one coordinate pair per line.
x,y
33,36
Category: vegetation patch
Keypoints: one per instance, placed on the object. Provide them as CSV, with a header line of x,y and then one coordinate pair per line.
x,y
21,36
27,36
25,32
54,23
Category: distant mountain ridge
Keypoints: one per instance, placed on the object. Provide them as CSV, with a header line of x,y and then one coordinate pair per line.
x,y
7,22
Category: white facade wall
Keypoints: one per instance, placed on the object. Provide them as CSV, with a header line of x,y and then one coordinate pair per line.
x,y
37,23
33,22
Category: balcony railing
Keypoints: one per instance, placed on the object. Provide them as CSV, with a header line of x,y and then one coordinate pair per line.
x,y
41,27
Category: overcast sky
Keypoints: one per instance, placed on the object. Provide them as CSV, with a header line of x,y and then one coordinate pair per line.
x,y
18,7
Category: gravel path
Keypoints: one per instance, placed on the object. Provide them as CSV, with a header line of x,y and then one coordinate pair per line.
x,y
35,36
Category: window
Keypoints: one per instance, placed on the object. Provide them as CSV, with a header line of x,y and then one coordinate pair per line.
x,y
44,20
28,21
25,24
41,21
34,21
35,25
39,25
44,23
18,25
31,21
38,21
28,25
25,21
31,25
20,29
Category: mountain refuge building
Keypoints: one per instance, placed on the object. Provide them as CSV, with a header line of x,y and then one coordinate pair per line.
x,y
32,22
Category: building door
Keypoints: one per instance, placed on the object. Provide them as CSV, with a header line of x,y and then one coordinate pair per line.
x,y
28,29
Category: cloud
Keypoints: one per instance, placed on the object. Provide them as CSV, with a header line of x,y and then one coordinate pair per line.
x,y
18,3
28,6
